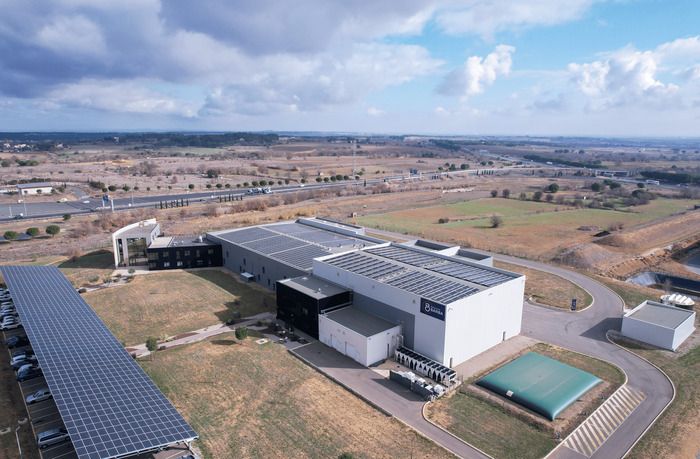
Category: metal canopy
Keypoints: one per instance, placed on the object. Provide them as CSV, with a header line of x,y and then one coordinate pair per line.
x,y
109,406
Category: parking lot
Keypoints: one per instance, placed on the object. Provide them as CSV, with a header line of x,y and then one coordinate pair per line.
x,y
42,415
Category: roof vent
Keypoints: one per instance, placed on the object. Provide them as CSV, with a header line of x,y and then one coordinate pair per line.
x,y
199,238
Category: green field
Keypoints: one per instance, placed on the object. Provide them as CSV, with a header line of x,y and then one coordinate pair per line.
x,y
258,401
172,302
529,228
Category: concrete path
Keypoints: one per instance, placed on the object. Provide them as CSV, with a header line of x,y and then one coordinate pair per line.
x,y
194,336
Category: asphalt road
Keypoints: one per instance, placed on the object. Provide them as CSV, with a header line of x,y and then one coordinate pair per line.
x,y
585,332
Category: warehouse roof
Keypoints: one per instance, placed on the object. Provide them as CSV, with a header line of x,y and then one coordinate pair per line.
x,y
314,287
359,321
660,314
22,186
178,241
294,243
436,277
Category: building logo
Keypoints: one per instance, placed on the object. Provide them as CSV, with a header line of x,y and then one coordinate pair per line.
x,y
432,309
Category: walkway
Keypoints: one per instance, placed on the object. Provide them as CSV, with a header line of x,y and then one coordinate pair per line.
x,y
140,350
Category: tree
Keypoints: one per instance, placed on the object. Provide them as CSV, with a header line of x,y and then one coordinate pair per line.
x,y
537,196
152,344
112,188
522,196
126,187
464,166
219,185
10,235
241,333
319,179
549,197
640,185
552,188
190,186
33,231
66,217
505,193
213,173
496,221
596,187
53,230
208,185
494,193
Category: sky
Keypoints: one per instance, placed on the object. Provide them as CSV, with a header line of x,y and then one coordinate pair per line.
x,y
458,67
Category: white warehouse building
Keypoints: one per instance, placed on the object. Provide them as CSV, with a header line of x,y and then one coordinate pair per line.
x,y
449,308
661,325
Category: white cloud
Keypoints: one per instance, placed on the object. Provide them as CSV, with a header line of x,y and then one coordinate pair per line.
x,y
72,34
374,111
118,96
486,17
477,73
634,77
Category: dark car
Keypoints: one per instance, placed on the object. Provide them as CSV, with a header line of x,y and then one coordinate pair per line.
x,y
18,362
23,352
28,372
16,341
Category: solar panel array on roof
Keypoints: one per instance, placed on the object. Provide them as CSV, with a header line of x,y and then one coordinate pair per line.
x,y
109,406
427,285
292,243
477,275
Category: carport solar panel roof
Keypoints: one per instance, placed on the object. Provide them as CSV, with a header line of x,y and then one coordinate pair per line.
x,y
110,407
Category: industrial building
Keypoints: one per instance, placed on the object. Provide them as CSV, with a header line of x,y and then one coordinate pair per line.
x,y
143,244
35,188
363,296
662,325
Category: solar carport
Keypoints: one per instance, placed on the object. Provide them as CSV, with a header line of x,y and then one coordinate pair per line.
x,y
109,406
539,383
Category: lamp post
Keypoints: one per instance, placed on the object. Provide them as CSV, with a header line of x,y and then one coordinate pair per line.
x,y
24,203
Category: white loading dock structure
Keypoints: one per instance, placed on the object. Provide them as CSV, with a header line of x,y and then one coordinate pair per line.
x,y
365,338
661,325
450,308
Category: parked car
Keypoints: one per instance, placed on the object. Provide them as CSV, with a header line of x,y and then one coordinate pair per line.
x,y
28,372
26,352
10,326
16,341
18,362
39,396
52,437
7,314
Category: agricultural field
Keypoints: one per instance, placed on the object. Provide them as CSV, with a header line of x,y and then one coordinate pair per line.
x,y
481,421
549,289
258,401
531,229
172,302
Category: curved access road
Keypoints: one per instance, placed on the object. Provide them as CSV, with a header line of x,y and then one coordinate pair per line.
x,y
585,332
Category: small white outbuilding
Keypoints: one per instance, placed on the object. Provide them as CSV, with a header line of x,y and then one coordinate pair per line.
x,y
365,338
658,324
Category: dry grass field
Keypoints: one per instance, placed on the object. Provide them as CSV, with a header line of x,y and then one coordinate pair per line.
x,y
482,422
258,401
531,229
548,289
173,302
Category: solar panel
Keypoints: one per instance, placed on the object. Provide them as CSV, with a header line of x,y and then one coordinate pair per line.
x,y
246,235
421,283
289,228
301,257
475,274
109,406
274,244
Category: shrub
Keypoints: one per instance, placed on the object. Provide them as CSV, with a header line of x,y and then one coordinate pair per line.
x,y
10,235
442,220
112,188
346,456
152,343
241,333
53,230
496,221
549,198
33,231
505,193
208,185
523,196
537,196
190,186
552,188
66,217
596,187
494,193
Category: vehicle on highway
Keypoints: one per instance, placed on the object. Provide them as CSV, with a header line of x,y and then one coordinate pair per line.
x,y
18,217
28,372
52,437
39,396
16,341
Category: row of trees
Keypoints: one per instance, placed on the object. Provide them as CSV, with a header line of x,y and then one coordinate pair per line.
x,y
51,230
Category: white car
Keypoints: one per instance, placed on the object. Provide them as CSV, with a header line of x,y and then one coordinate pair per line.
x,y
39,396
52,437
10,326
